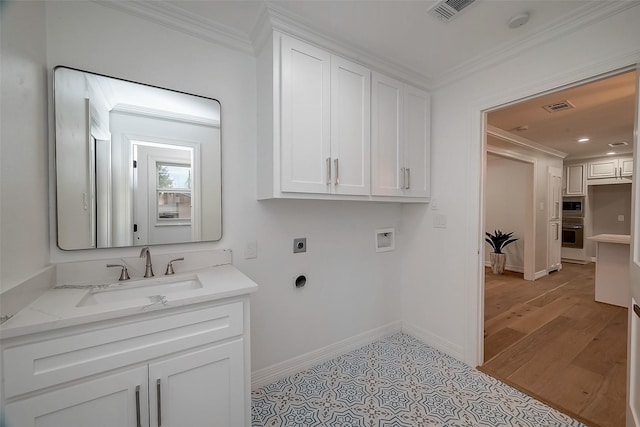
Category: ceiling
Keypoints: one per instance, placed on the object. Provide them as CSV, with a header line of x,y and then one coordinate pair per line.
x,y
401,31
603,111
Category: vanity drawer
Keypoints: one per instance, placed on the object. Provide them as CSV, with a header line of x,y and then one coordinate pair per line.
x,y
36,365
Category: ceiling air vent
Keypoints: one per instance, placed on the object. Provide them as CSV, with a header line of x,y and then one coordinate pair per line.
x,y
618,144
559,106
446,10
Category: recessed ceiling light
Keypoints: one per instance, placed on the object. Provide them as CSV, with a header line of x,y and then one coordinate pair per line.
x,y
611,153
583,140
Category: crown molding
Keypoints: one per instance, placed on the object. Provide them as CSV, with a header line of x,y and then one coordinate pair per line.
x,y
138,110
523,142
178,19
277,18
586,15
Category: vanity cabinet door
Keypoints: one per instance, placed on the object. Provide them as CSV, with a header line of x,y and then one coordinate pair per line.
x,y
200,388
115,400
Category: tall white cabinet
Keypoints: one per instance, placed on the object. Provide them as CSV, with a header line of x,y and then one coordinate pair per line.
x,y
317,115
554,240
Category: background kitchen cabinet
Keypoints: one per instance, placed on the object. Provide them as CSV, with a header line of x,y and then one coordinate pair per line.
x,y
574,180
555,193
400,139
554,246
610,168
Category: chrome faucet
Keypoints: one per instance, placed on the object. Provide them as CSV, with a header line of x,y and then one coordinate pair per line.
x,y
148,271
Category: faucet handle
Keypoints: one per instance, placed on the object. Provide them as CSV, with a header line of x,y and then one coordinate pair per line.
x,y
169,270
124,274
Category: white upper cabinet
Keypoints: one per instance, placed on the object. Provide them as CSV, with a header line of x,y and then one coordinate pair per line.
x,y
315,128
610,168
350,127
400,139
306,120
574,180
386,139
417,152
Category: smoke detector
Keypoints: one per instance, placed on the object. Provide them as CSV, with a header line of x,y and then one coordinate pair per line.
x,y
518,20
446,10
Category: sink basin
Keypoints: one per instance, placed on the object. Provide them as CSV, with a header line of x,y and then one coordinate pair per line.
x,y
150,290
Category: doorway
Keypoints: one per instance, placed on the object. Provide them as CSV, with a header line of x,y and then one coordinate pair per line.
x,y
569,283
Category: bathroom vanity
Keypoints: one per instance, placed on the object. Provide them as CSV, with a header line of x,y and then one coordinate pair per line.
x,y
164,351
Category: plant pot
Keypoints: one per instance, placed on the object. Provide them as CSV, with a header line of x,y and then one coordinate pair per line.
x,y
498,262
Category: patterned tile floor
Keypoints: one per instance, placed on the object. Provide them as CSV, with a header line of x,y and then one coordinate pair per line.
x,y
397,381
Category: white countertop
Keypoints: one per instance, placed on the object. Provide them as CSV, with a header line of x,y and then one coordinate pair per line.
x,y
624,239
62,306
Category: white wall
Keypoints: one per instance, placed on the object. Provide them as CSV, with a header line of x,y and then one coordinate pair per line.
x,y
607,202
24,240
350,288
442,267
508,197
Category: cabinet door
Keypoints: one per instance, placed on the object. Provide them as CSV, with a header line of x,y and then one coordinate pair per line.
x,y
305,121
387,173
417,147
202,388
555,246
555,193
606,168
574,180
626,167
350,127
104,402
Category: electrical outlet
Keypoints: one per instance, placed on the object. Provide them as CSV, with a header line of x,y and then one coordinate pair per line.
x,y
440,221
621,218
251,250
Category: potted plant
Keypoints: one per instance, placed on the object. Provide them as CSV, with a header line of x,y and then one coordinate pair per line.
x,y
498,240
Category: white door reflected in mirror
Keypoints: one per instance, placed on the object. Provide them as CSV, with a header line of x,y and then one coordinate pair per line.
x,y
128,163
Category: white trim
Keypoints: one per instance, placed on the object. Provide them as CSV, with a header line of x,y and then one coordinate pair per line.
x,y
531,228
508,267
264,376
138,110
540,274
434,340
524,142
474,300
282,20
177,18
583,17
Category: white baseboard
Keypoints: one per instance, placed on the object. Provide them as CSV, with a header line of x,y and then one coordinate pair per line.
x,y
264,376
508,267
540,274
434,340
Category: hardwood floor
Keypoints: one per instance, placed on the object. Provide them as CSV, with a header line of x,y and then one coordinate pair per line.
x,y
550,339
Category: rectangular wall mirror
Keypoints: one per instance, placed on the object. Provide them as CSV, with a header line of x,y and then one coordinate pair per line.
x,y
135,164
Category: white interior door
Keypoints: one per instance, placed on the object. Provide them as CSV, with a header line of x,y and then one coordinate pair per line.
x,y
633,412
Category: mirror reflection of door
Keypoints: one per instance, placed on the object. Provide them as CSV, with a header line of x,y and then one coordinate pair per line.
x,y
164,180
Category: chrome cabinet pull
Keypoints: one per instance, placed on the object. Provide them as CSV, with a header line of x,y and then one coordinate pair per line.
x,y
403,172
557,231
408,178
328,170
138,422
335,165
159,402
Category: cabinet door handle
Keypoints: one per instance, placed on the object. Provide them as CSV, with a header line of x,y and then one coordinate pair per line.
x,y
557,231
159,402
335,165
403,172
636,309
138,422
408,170
328,170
